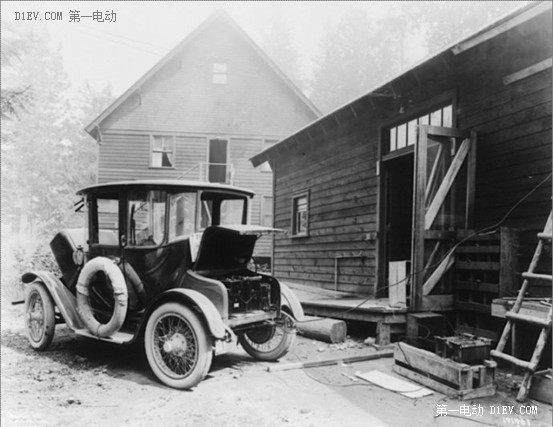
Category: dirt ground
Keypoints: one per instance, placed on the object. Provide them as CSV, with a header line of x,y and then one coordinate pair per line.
x,y
79,381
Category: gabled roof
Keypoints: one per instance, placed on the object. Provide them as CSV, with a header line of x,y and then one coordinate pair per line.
x,y
512,19
219,16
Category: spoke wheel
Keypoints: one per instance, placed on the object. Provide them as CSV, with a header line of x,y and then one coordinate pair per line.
x,y
270,342
40,318
177,346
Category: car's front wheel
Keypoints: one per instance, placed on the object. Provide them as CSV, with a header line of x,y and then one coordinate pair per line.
x,y
177,346
40,318
270,342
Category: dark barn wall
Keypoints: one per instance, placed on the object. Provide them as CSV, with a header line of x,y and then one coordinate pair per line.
x,y
513,123
339,172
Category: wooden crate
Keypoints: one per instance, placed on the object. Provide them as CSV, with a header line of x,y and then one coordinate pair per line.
x,y
444,375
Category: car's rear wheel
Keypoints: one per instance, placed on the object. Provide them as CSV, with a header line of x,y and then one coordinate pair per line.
x,y
270,342
40,318
177,346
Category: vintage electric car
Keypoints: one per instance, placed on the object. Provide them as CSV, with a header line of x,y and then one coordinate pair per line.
x,y
168,262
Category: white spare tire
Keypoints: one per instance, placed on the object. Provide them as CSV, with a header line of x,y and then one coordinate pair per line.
x,y
120,296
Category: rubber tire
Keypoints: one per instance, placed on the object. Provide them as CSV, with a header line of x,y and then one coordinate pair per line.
x,y
204,353
49,320
278,351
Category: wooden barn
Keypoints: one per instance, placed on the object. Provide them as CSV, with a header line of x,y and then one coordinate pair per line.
x,y
376,194
200,113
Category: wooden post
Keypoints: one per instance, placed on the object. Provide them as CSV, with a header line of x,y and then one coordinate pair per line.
x,y
382,333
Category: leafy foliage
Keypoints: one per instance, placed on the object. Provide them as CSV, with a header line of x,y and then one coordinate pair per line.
x,y
279,45
13,98
360,52
46,155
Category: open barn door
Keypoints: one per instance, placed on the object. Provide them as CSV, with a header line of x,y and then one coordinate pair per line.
x,y
443,205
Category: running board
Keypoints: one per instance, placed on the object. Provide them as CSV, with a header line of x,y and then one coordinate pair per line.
x,y
117,338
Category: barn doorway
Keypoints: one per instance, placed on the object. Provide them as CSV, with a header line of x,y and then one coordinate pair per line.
x,y
398,176
399,207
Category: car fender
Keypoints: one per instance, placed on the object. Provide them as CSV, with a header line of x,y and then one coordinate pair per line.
x,y
63,298
207,309
290,300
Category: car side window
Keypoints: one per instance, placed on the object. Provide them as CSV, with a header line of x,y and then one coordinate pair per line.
x,y
105,230
146,211
182,215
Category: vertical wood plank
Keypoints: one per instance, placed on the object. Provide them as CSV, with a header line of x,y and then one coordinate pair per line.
x,y
419,204
471,181
508,261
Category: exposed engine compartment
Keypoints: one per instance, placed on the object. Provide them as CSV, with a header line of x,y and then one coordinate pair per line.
x,y
247,293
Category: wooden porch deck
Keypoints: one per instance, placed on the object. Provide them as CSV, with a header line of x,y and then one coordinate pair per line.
x,y
341,305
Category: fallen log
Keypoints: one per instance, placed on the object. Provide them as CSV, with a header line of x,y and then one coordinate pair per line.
x,y
322,329
329,362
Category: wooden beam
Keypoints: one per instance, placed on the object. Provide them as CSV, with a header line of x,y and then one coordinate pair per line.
x,y
329,362
437,274
501,28
446,184
447,132
419,204
434,171
471,182
432,255
528,71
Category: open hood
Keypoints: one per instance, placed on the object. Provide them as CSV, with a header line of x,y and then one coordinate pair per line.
x,y
229,247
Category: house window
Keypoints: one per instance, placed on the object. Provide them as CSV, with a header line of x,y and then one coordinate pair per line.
x,y
405,134
162,152
220,73
300,214
267,143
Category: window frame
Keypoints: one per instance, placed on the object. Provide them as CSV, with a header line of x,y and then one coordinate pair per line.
x,y
219,74
152,151
93,220
170,197
405,131
151,216
415,111
295,233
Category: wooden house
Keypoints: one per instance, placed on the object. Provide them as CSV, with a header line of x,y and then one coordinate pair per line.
x,y
385,186
200,113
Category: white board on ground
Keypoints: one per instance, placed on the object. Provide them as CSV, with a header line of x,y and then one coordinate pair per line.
x,y
410,390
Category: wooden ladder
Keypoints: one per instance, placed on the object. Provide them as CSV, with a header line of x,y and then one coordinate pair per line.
x,y
514,316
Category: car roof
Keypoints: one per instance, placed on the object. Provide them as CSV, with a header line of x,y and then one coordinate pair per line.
x,y
165,183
